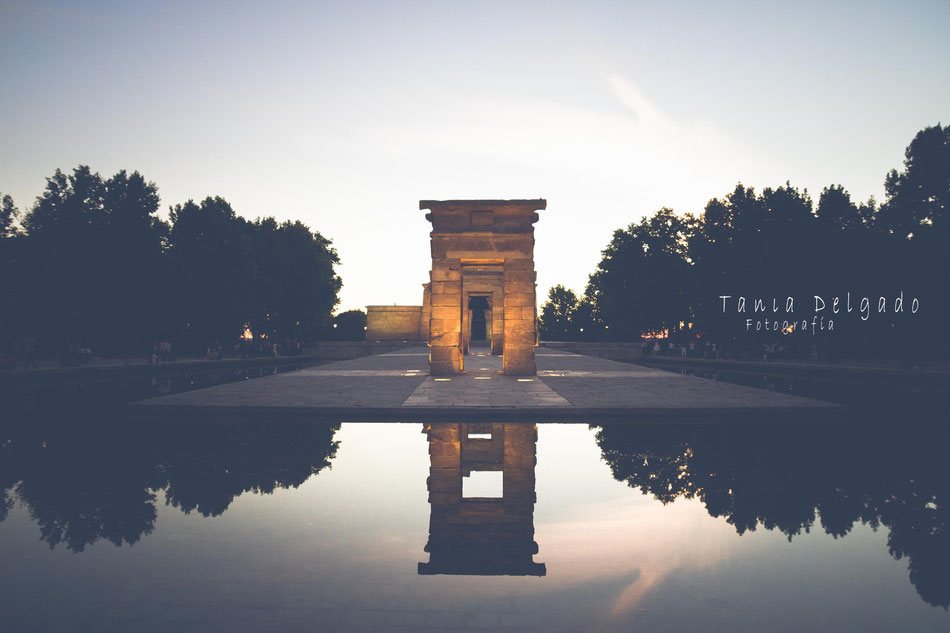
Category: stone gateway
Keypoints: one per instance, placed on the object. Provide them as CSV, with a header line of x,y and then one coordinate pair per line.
x,y
481,287
482,282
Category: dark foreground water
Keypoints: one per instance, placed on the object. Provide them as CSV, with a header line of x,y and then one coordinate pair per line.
x,y
114,524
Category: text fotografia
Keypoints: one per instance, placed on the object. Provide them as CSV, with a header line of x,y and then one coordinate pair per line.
x,y
826,310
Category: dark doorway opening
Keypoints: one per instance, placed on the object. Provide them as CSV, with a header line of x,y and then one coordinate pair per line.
x,y
478,306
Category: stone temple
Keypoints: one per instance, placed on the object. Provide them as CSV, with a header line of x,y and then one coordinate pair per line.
x,y
481,287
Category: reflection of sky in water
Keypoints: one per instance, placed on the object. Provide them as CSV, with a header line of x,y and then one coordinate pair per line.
x,y
341,552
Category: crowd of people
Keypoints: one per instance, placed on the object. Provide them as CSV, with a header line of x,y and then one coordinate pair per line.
x,y
823,350
733,349
25,353
254,348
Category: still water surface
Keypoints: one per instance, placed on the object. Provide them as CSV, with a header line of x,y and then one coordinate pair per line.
x,y
272,525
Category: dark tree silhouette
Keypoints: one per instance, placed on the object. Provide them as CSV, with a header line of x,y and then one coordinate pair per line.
x,y
643,279
89,261
295,286
917,197
671,269
559,315
8,217
350,326
211,256
914,215
89,257
93,264
11,291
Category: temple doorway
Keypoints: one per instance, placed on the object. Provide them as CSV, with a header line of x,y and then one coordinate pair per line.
x,y
479,310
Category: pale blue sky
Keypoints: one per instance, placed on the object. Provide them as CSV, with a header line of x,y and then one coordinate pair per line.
x,y
344,115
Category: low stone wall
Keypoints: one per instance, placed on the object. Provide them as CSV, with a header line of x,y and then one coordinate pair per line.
x,y
841,373
622,351
393,323
87,374
347,350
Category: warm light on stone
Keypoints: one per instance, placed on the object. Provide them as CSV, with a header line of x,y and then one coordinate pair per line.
x,y
393,323
482,255
482,282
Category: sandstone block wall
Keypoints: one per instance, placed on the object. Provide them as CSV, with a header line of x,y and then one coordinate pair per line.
x,y
482,248
393,323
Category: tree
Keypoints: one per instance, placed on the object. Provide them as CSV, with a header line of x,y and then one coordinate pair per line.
x,y
95,265
917,197
214,271
277,278
61,255
295,287
90,260
643,282
836,211
8,217
557,315
132,262
350,326
914,217
11,307
586,324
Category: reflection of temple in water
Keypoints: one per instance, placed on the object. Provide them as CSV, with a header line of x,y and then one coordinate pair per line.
x,y
476,526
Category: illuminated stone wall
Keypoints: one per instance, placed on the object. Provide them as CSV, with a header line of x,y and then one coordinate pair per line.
x,y
426,312
482,248
393,323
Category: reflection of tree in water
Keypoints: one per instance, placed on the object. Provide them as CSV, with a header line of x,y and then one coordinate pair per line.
x,y
787,478
259,458
82,485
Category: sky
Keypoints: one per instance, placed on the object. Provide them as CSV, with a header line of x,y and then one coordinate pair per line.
x,y
345,114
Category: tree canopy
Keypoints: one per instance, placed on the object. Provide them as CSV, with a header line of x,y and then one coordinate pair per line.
x,y
667,271
92,262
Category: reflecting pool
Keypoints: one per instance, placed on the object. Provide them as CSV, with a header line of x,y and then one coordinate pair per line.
x,y
119,524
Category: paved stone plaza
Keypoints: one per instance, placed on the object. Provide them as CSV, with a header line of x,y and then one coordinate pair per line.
x,y
568,387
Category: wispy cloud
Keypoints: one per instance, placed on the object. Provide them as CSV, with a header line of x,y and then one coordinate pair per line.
x,y
639,545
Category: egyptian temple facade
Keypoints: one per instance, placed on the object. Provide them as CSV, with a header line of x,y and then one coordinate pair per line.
x,y
481,288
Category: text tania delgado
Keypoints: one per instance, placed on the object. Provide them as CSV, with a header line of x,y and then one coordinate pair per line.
x,y
760,305
837,305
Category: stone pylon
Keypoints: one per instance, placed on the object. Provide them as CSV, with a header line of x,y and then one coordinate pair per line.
x,y
483,248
